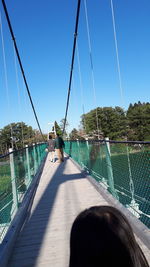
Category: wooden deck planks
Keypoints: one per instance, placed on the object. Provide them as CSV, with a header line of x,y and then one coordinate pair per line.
x,y
62,193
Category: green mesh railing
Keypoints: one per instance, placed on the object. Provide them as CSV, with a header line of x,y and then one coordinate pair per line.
x,y
17,171
123,168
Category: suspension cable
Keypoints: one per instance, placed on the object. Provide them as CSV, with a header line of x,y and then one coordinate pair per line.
x,y
21,67
91,61
72,62
73,101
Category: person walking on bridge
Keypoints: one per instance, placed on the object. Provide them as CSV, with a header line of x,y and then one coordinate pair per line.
x,y
51,149
59,145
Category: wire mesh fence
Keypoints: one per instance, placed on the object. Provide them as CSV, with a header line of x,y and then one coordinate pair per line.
x,y
123,168
17,171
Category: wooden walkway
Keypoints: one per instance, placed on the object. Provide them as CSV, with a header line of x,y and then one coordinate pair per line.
x,y
62,193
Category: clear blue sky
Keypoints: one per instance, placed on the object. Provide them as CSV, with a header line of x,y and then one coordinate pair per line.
x,y
44,35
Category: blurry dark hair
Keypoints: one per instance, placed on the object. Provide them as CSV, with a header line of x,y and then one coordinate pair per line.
x,y
57,134
50,137
101,236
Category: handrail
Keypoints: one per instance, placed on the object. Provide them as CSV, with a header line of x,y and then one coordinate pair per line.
x,y
112,141
17,150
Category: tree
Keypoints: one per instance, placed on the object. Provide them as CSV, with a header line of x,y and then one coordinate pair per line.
x,y
138,116
57,128
75,135
17,135
111,122
13,135
62,126
116,124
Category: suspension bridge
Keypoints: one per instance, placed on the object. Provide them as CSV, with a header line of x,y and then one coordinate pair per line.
x,y
40,199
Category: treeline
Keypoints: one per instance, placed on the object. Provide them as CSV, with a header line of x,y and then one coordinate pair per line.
x,y
117,124
17,135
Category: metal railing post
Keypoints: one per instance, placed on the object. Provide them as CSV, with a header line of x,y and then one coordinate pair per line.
x,y
13,182
35,162
88,150
79,156
109,169
88,163
38,152
28,165
87,143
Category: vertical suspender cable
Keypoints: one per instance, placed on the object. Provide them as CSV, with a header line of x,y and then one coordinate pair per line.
x,y
19,102
6,77
4,61
21,67
91,61
117,53
81,86
72,62
121,91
